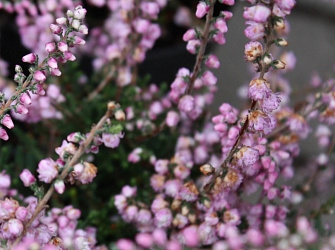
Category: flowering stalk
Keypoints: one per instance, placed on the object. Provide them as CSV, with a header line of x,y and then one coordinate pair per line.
x,y
202,48
69,165
56,53
264,61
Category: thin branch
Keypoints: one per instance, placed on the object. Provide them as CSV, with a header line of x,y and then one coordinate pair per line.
x,y
202,49
43,203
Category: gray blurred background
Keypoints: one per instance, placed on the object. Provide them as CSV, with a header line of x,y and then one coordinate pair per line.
x,y
312,38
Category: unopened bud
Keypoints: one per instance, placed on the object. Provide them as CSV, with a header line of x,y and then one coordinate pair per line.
x,y
280,24
281,42
278,64
175,204
69,13
120,115
111,105
18,69
207,169
185,210
267,59
192,218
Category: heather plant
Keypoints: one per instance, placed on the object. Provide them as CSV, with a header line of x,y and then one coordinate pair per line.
x,y
99,157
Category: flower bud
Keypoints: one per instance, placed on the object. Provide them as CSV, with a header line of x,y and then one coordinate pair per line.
x,y
267,59
281,42
202,9
25,99
61,20
120,115
15,227
52,62
56,29
69,13
50,47
59,186
3,134
252,50
21,109
62,46
278,64
7,121
27,178
280,24
39,76
69,56
83,29
75,24
79,13
30,58
18,69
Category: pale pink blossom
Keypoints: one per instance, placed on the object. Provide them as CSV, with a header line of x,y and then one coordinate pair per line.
x,y
47,169
27,178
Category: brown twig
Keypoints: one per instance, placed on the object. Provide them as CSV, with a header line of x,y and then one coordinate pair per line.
x,y
202,49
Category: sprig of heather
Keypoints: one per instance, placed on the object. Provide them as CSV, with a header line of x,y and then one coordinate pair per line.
x,y
263,20
68,167
58,52
119,49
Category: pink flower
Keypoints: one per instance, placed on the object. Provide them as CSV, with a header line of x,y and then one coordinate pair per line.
x,y
159,236
172,118
50,47
221,25
69,56
228,2
7,121
4,180
134,156
88,173
202,9
129,191
79,12
111,140
209,78
144,240
190,236
3,134
30,58
189,35
259,121
193,45
254,31
246,156
66,149
186,103
39,76
258,13
125,244
212,62
270,103
56,29
25,99
52,62
22,214
59,186
47,169
15,227
163,218
285,5
252,50
27,178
